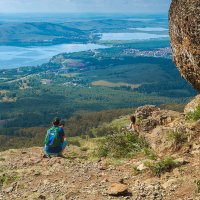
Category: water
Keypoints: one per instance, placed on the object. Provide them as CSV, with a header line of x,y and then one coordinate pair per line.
x,y
11,56
131,36
150,29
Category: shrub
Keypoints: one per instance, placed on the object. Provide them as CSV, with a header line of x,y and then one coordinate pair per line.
x,y
198,186
8,179
74,141
121,144
177,138
84,148
150,153
194,116
165,165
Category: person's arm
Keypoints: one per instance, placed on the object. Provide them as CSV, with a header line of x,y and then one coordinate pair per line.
x,y
130,126
62,134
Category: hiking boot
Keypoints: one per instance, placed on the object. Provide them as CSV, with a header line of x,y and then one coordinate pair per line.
x,y
61,155
46,156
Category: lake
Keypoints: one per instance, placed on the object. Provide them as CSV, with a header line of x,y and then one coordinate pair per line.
x,y
131,36
11,56
150,29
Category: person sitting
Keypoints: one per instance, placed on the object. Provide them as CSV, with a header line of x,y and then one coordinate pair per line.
x,y
55,141
133,126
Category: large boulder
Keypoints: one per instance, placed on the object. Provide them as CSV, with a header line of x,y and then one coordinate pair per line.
x,y
158,139
144,112
148,124
184,21
152,116
165,117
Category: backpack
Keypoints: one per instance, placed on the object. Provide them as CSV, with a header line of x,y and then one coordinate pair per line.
x,y
52,137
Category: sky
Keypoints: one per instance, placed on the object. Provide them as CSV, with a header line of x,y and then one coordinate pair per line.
x,y
85,6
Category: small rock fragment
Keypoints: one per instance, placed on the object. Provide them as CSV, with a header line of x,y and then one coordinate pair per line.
x,y
118,189
9,189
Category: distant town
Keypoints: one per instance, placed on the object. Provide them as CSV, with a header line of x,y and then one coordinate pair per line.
x,y
161,53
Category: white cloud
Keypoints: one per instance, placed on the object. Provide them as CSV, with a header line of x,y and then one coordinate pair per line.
x,y
133,6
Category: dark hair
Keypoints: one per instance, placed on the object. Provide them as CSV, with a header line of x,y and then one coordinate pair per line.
x,y
133,119
62,123
56,121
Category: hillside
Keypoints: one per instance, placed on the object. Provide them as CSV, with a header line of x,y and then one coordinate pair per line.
x,y
167,169
38,33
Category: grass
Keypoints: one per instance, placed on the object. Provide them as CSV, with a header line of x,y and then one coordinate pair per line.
x,y
194,116
121,144
84,148
150,154
2,159
136,171
198,186
177,138
74,141
114,162
8,179
162,166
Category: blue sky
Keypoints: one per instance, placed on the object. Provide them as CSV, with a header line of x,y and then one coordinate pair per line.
x,y
85,6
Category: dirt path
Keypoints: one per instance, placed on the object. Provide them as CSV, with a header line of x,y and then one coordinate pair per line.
x,y
24,174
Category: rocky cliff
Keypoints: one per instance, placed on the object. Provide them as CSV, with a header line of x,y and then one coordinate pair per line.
x,y
184,23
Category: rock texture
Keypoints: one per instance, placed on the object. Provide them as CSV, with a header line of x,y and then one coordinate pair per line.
x,y
191,107
184,24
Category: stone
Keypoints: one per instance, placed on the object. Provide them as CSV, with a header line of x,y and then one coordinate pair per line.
x,y
9,189
142,167
181,161
176,172
197,127
148,125
144,112
184,20
37,173
118,189
41,197
196,146
164,117
158,139
103,167
170,183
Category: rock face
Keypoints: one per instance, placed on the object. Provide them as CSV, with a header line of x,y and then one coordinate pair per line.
x,y
152,116
184,24
144,112
191,107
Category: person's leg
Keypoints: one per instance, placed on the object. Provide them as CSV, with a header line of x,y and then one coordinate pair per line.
x,y
64,144
46,155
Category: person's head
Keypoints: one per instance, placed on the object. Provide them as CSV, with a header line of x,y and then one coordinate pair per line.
x,y
62,124
133,119
56,121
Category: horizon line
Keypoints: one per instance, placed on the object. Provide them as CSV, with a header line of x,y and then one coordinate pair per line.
x,y
100,13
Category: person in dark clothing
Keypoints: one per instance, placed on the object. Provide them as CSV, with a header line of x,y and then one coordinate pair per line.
x,y
55,141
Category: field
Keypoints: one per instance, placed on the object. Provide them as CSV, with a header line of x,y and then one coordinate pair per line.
x,y
110,84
